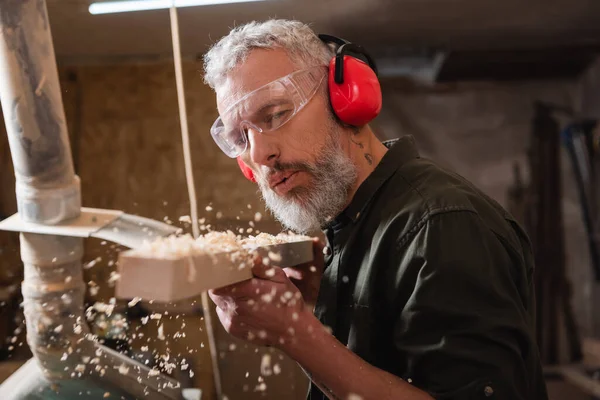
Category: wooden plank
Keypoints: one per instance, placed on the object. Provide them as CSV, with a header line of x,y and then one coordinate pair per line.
x,y
168,280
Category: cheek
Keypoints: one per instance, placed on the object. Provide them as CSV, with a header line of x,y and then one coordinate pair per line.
x,y
305,137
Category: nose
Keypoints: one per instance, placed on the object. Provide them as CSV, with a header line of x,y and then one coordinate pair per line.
x,y
263,148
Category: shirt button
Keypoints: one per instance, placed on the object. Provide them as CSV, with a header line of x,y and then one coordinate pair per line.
x,y
327,250
488,391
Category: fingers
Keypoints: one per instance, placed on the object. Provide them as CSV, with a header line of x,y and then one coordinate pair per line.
x,y
224,303
229,290
274,274
224,318
235,289
303,271
293,273
250,288
218,300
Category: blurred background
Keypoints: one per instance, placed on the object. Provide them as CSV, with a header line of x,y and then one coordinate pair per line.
x,y
506,93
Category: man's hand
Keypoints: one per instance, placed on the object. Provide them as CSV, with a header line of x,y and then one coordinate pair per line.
x,y
269,310
307,276
264,309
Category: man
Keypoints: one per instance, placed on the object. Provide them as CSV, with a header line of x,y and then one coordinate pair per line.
x,y
425,290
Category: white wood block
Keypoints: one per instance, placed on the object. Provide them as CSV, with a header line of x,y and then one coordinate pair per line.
x,y
175,279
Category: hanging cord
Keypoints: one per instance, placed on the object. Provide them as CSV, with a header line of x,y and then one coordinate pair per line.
x,y
185,135
189,174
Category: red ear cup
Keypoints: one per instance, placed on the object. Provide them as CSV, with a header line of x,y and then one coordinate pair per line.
x,y
246,170
357,100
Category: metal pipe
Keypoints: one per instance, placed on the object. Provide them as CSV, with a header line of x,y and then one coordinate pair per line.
x,y
53,292
48,192
47,188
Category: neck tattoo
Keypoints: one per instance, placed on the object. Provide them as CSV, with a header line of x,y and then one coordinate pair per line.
x,y
359,144
368,156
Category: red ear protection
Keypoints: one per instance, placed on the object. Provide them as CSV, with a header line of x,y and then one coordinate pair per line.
x,y
354,89
246,170
357,100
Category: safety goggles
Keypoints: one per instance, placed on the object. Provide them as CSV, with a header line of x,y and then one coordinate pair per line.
x,y
265,109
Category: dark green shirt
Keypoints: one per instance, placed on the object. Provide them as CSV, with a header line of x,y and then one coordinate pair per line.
x,y
431,280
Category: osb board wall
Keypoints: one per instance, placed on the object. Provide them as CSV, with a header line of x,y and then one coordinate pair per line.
x,y
130,114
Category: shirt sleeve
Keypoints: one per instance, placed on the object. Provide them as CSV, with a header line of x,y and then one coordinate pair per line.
x,y
462,297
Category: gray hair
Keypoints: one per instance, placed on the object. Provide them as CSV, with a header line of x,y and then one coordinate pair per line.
x,y
299,41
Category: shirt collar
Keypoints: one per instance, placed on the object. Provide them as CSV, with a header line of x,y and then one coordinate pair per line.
x,y
400,152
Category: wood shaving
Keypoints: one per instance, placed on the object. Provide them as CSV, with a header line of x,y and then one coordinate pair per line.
x,y
265,239
134,301
173,247
265,365
161,335
261,387
185,218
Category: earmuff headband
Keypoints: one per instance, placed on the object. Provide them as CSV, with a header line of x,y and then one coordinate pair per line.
x,y
339,58
345,47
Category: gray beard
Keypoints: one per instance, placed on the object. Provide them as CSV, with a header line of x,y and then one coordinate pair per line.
x,y
307,209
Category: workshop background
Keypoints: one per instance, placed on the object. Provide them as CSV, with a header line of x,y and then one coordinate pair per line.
x,y
506,93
